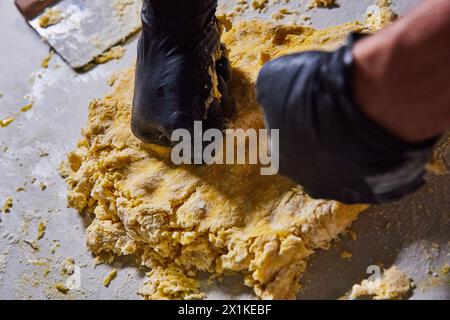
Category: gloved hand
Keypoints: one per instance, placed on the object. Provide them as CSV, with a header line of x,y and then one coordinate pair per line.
x,y
327,144
178,53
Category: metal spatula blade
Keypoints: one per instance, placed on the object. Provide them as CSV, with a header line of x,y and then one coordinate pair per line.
x,y
87,28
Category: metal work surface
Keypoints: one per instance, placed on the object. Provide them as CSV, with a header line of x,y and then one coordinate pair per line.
x,y
413,234
88,28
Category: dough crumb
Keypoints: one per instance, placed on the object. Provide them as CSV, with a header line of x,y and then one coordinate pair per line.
x,y
380,15
68,266
50,17
113,78
6,122
42,186
33,245
346,255
41,230
260,4
322,4
8,204
171,283
45,63
116,53
110,277
61,287
120,6
352,234
226,22
26,108
445,270
436,166
281,14
393,285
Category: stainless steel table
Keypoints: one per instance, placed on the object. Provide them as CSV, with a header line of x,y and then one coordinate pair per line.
x,y
414,234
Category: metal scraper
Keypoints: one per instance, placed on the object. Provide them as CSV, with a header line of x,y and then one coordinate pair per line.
x,y
87,27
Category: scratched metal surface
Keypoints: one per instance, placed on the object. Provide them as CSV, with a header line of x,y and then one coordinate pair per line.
x,y
89,28
413,234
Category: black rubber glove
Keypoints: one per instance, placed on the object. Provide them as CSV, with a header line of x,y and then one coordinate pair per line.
x,y
326,143
173,86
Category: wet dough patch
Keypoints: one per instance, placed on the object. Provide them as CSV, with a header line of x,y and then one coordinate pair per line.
x,y
178,221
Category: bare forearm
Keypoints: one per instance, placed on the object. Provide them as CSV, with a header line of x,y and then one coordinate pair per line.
x,y
402,74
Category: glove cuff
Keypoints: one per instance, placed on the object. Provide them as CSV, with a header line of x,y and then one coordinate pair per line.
x,y
179,18
327,144
394,167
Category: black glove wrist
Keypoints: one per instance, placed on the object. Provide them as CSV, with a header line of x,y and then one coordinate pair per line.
x,y
327,144
186,20
178,51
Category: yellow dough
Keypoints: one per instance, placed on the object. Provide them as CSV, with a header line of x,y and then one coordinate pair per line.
x,y
393,285
50,17
322,3
220,219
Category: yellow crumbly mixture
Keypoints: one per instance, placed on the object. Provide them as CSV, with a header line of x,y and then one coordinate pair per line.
x,y
380,15
220,219
116,52
393,285
322,3
50,17
8,204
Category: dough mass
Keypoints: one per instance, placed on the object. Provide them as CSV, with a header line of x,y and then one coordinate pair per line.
x,y
178,221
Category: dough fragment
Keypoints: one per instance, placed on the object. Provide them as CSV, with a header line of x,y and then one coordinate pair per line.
x,y
171,283
260,4
393,285
46,61
6,122
61,287
114,53
41,230
7,205
50,17
26,107
217,219
380,15
68,266
110,277
322,4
